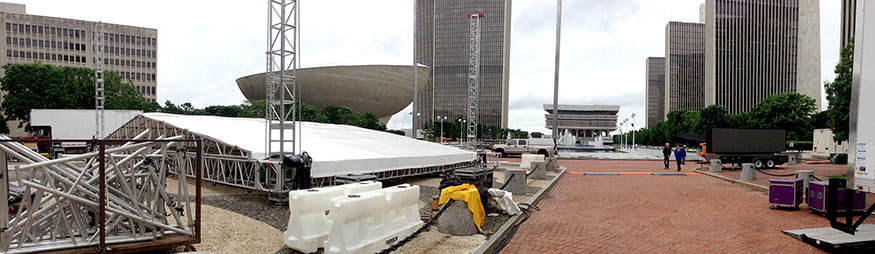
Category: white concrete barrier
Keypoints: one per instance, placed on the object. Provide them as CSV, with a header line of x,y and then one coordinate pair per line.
x,y
371,221
527,159
308,220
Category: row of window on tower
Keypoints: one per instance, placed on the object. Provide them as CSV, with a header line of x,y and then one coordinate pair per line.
x,y
135,76
65,45
78,33
146,90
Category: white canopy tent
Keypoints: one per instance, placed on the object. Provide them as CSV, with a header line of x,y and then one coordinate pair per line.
x,y
336,149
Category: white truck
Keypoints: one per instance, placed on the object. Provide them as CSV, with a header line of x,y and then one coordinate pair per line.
x,y
544,146
73,124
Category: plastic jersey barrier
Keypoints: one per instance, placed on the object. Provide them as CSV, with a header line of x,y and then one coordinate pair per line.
x,y
370,221
527,159
308,220
470,195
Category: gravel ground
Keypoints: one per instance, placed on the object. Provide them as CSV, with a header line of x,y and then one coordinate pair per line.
x,y
228,232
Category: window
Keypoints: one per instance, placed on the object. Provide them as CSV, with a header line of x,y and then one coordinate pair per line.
x,y
106,61
523,142
41,43
76,33
15,41
153,90
21,28
27,28
66,45
54,45
8,40
116,38
66,58
153,76
8,26
42,56
15,53
40,29
27,42
116,62
27,55
54,57
66,32
512,142
148,40
77,46
8,53
83,47
53,31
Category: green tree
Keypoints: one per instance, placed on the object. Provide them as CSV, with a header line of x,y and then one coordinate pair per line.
x,y
122,95
36,85
838,93
537,135
788,111
713,116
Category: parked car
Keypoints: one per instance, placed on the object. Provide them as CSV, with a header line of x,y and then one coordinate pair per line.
x,y
543,146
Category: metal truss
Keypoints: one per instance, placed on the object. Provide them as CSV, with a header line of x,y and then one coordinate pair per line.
x,y
282,42
114,198
99,92
230,165
473,78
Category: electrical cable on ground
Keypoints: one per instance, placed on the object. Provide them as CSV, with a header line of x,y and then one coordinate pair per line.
x,y
761,171
527,212
425,227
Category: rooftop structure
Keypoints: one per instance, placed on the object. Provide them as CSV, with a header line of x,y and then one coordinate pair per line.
x,y
380,89
583,121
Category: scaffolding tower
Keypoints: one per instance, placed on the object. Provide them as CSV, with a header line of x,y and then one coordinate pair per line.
x,y
282,36
99,92
473,78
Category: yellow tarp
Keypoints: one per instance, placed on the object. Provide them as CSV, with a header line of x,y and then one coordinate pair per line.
x,y
469,194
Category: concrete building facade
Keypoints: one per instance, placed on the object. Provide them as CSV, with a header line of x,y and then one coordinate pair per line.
x,y
849,20
128,50
655,90
442,42
754,49
585,122
684,66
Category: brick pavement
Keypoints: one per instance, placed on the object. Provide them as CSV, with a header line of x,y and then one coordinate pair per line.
x,y
657,214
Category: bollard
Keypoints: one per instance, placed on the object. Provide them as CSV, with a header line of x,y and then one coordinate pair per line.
x,y
747,172
539,170
517,185
805,175
791,160
715,167
552,163
457,220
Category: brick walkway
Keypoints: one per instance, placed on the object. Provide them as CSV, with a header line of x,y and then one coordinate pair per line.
x,y
657,214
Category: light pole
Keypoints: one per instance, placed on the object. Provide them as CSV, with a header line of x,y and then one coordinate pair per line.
x,y
461,129
633,132
556,72
442,127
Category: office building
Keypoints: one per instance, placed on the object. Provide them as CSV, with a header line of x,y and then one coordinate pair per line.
x,y
655,91
585,122
128,50
849,20
684,66
755,49
443,43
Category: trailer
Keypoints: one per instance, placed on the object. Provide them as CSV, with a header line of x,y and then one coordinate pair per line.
x,y
71,124
762,147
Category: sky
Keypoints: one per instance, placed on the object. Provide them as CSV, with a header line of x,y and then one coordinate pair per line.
x,y
203,47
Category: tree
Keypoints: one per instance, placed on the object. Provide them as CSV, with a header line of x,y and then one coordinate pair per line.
x,y
537,135
122,95
713,116
838,93
36,85
788,111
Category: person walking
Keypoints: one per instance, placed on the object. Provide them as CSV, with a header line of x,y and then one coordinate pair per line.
x,y
666,153
679,154
684,156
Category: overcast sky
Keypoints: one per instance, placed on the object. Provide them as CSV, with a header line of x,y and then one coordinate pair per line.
x,y
204,46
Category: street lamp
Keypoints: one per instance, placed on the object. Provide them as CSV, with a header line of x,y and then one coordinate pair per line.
x,y
442,127
633,132
461,129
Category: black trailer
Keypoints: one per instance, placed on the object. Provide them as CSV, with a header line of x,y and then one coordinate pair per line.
x,y
762,147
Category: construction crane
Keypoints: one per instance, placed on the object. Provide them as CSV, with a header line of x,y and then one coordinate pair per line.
x,y
473,78
99,92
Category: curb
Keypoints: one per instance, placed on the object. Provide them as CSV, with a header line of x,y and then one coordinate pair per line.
x,y
502,232
743,183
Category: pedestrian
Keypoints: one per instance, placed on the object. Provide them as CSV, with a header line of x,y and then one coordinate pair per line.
x,y
679,153
666,153
684,156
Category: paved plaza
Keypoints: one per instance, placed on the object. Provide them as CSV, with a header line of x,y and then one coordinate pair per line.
x,y
657,214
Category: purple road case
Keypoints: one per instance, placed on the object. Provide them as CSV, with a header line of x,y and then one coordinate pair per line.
x,y
817,198
785,192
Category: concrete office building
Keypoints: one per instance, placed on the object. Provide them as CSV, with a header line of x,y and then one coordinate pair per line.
x,y
849,20
655,90
684,66
754,49
442,43
128,50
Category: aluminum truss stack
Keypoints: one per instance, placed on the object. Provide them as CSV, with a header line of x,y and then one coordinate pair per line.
x,y
282,52
99,92
115,197
473,78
